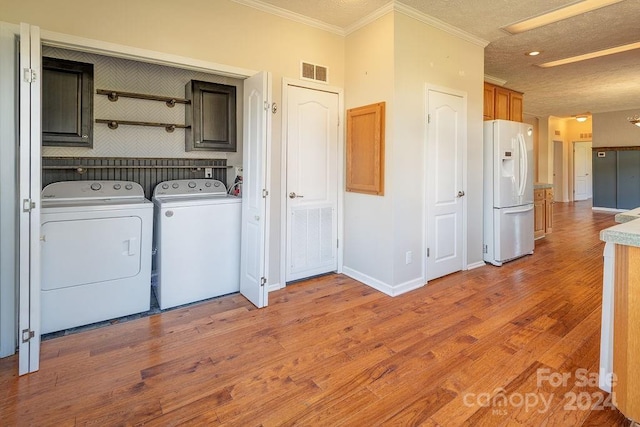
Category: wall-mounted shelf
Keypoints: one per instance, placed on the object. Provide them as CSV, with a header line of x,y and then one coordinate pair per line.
x,y
114,95
169,127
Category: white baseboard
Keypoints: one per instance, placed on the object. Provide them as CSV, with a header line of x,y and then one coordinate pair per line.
x,y
596,208
378,285
275,287
476,265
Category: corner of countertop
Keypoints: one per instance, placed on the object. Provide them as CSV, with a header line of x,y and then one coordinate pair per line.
x,y
541,185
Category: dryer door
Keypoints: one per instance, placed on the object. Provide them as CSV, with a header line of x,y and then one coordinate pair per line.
x,y
79,252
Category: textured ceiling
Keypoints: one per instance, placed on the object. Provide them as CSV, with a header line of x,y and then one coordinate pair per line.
x,y
610,83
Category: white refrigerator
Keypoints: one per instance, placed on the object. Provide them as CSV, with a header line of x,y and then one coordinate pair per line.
x,y
508,191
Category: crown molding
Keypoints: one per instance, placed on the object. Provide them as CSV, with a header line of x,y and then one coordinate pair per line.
x,y
494,80
441,25
363,22
283,13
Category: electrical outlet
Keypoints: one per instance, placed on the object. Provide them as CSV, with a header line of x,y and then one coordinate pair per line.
x,y
408,258
208,172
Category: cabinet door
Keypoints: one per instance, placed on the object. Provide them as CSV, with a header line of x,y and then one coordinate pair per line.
x,y
67,103
210,117
515,107
488,101
538,214
501,104
548,215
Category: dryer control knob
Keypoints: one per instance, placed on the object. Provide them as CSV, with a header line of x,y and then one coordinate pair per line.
x,y
128,186
165,186
207,184
175,185
192,184
116,186
96,186
216,184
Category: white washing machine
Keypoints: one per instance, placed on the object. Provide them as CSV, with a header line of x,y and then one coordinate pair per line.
x,y
95,252
196,241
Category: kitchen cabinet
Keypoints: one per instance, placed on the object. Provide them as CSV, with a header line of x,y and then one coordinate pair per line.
x,y
502,103
538,214
542,212
548,210
67,103
210,117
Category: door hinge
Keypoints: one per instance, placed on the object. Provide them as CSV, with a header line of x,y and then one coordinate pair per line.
x,y
428,118
337,243
265,193
485,249
27,334
29,75
267,105
428,252
28,205
263,281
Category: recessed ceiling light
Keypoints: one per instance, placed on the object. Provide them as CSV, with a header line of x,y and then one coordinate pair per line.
x,y
596,54
533,53
558,15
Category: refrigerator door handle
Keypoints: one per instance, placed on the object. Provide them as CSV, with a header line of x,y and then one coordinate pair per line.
x,y
523,165
512,212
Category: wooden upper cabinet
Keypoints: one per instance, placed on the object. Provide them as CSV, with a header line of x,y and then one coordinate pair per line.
x,y
515,106
488,101
365,149
502,103
67,103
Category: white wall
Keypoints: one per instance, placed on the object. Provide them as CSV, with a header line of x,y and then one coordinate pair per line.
x,y
368,235
612,129
392,60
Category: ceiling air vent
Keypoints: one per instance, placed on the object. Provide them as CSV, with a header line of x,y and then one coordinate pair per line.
x,y
317,73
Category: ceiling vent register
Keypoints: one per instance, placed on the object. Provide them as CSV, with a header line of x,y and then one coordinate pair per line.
x,y
317,73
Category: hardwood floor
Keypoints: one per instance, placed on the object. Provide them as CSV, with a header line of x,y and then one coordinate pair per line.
x,y
482,347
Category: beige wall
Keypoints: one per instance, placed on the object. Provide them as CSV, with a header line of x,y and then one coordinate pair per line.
x,y
218,31
369,79
612,129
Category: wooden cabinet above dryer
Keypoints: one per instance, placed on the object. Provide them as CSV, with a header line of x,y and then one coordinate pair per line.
x,y
210,117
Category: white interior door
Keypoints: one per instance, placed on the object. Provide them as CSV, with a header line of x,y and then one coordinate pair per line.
x,y
312,182
30,72
446,133
255,200
582,170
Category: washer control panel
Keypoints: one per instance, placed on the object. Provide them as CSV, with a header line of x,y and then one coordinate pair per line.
x,y
66,190
190,187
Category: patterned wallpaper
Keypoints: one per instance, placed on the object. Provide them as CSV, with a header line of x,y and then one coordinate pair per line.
x,y
137,141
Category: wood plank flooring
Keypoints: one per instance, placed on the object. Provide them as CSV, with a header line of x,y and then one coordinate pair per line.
x,y
482,347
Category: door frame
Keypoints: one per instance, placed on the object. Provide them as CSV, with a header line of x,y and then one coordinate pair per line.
x,y
425,178
286,83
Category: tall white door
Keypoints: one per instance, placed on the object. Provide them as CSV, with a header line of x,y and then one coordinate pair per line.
x,y
446,133
255,189
30,73
582,170
311,182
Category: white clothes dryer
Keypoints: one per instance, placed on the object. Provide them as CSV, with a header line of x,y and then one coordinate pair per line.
x,y
96,242
196,241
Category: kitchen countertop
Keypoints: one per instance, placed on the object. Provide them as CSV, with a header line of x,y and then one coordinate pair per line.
x,y
627,232
628,215
541,185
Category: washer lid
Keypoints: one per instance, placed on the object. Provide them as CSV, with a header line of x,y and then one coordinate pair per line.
x,y
201,187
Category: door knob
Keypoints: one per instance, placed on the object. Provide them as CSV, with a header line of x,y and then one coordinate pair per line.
x,y
460,193
293,195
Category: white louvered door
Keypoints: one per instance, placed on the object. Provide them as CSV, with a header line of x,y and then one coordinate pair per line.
x,y
312,182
